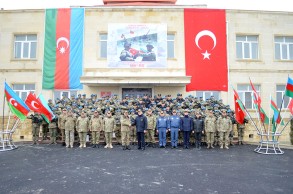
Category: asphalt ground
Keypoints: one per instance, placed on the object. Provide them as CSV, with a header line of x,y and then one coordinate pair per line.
x,y
56,169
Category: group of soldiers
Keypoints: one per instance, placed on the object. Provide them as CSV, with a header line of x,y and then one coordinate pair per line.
x,y
180,121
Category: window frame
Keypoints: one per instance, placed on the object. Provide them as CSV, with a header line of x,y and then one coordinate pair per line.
x,y
249,43
211,94
242,94
286,98
101,41
25,91
22,45
280,51
171,41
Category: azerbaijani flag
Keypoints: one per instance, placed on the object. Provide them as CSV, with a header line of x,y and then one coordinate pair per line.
x,y
277,117
289,88
15,103
63,52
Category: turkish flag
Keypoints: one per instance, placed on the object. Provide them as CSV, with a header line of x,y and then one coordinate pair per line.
x,y
36,105
239,114
290,106
205,49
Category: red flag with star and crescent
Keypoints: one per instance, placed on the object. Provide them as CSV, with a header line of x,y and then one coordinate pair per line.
x,y
37,106
205,49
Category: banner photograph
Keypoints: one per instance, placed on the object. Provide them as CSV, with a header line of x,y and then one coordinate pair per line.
x,y
137,46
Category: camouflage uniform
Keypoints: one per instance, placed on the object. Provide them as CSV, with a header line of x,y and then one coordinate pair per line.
x,y
82,125
70,122
61,124
240,129
224,126
125,131
109,125
96,126
118,127
133,129
150,134
53,131
36,123
44,129
210,128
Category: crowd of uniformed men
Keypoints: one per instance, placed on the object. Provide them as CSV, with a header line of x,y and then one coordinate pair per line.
x,y
180,121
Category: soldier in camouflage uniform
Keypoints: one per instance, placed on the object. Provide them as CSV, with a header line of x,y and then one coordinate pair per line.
x,y
210,128
132,128
109,125
150,134
70,122
117,129
82,126
240,130
125,130
53,130
96,126
44,129
61,123
36,123
224,125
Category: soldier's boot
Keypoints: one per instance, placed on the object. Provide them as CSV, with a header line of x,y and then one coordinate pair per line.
x,y
209,145
80,145
84,145
221,147
106,146
110,146
212,146
71,145
128,147
124,148
226,147
94,145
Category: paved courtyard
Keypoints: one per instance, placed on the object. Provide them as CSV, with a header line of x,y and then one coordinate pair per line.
x,y
55,169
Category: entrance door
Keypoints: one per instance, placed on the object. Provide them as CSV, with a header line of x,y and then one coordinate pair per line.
x,y
136,92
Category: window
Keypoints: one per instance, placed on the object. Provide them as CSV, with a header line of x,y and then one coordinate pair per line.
x,y
25,46
170,46
280,90
103,45
247,47
207,94
283,48
22,90
246,94
59,94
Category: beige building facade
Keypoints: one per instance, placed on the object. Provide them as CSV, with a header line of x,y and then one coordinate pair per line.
x,y
259,46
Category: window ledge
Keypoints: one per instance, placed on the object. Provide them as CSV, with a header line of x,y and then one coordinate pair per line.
x,y
248,60
283,61
24,59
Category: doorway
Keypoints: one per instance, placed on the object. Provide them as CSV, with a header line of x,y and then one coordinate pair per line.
x,y
136,92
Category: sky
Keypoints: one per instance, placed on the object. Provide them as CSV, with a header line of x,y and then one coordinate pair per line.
x,y
268,5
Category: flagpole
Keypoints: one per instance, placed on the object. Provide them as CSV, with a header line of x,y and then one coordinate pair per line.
x,y
3,107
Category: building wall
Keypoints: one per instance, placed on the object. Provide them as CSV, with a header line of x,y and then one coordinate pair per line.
x,y
266,71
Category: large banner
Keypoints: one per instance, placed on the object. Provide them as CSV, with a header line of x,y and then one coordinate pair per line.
x,y
205,49
63,53
137,45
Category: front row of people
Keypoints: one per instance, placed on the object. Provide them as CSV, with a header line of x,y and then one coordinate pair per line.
x,y
145,124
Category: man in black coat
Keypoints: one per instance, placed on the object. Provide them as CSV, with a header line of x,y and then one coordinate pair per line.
x,y
141,124
186,127
198,126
